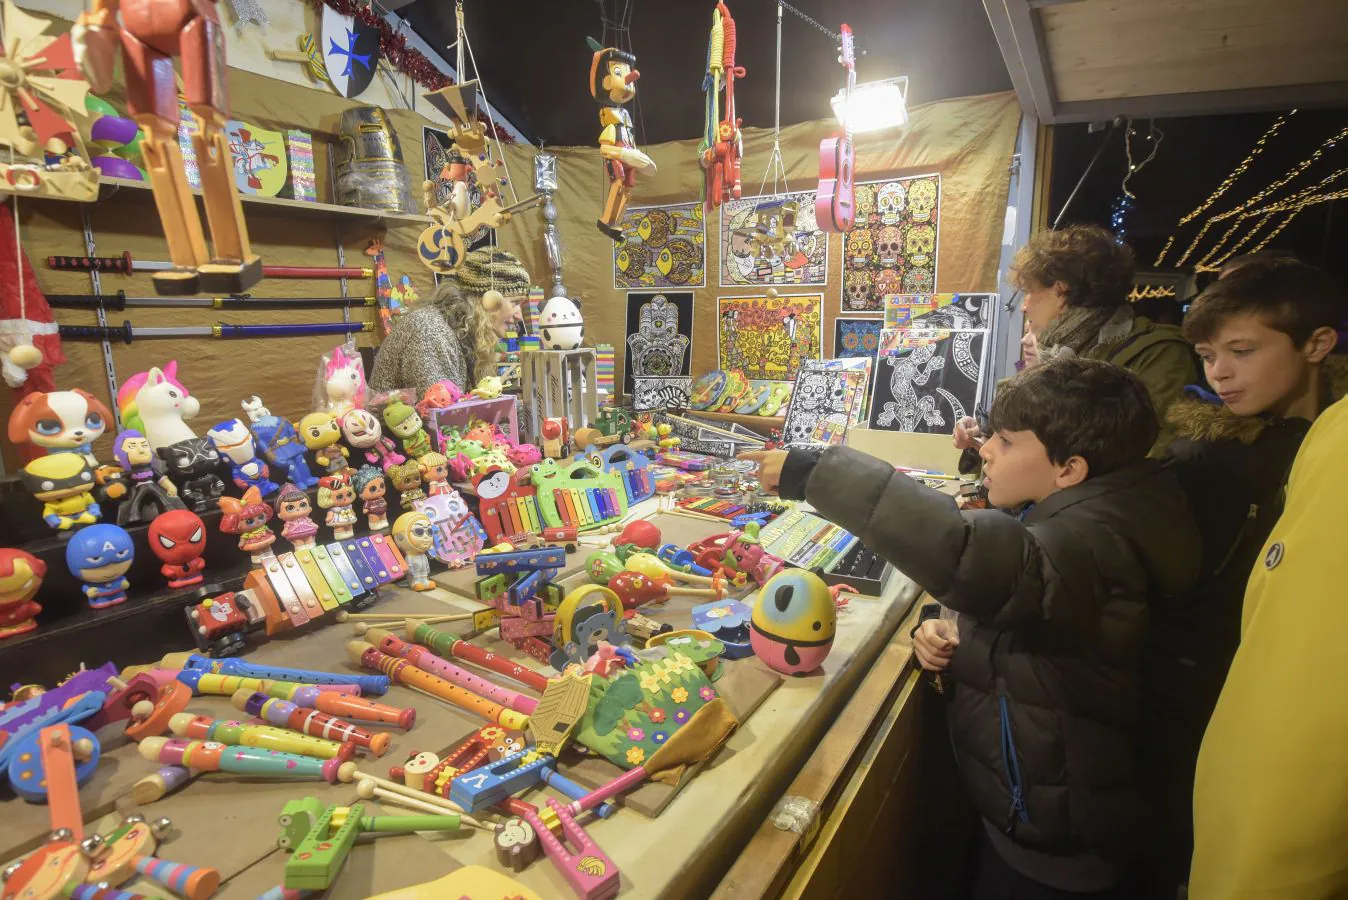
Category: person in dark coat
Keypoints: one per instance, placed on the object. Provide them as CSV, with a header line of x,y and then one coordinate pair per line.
x,y
1264,333
1045,610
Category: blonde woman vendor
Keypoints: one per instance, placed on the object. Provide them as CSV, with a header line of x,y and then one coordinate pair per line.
x,y
454,333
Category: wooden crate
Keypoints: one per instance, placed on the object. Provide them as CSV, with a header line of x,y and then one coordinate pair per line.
x,y
558,384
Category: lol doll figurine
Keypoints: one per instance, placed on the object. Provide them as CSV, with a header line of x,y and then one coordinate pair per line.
x,y
292,507
194,466
64,483
407,479
320,433
435,472
248,517
234,442
336,495
371,486
280,445
151,493
178,538
100,556
403,421
21,576
414,535
60,422
361,430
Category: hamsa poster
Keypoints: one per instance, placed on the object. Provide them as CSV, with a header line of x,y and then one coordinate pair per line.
x,y
893,246
772,240
662,247
767,338
659,338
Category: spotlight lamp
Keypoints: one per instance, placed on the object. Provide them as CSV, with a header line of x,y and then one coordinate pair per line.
x,y
875,105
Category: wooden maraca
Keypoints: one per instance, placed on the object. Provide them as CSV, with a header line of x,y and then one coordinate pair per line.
x,y
652,567
603,565
637,589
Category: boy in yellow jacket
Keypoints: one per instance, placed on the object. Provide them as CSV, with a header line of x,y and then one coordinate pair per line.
x,y
1271,795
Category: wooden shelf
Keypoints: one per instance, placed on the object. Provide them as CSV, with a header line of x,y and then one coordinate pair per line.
x,y
761,424
110,186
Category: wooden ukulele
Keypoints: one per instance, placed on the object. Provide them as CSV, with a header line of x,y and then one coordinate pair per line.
x,y
834,205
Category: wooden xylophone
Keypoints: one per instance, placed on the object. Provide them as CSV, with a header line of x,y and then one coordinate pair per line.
x,y
631,468
583,496
293,589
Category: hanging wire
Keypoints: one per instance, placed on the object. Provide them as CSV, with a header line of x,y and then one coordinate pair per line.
x,y
465,44
833,34
1155,135
775,167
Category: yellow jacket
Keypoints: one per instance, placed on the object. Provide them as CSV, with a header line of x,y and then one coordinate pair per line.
x,y
1271,793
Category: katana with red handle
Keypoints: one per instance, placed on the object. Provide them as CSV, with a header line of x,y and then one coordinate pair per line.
x,y
126,265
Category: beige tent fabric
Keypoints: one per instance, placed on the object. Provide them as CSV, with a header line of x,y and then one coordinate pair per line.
x,y
969,141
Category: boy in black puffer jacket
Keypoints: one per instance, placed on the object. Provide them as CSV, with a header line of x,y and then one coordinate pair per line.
x,y
1264,333
1052,606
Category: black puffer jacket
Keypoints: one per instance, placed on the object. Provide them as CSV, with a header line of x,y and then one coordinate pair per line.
x,y
1053,607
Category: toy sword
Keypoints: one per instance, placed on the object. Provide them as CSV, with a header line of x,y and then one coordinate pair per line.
x,y
126,265
120,301
126,334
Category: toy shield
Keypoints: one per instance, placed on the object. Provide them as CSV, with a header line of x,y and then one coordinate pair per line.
x,y
350,51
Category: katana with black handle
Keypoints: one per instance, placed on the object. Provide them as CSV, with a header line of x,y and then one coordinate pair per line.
x,y
126,265
127,334
120,301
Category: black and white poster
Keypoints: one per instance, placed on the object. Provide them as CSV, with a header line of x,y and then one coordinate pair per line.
x,y
660,393
928,381
659,337
821,407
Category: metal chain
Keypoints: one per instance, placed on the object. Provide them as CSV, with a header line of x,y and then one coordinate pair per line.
x,y
833,34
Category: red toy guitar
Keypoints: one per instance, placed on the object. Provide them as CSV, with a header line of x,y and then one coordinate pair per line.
x,y
834,207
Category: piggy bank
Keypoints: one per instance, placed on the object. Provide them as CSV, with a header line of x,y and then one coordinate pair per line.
x,y
560,325
793,622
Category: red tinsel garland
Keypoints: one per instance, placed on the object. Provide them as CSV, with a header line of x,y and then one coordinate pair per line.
x,y
408,60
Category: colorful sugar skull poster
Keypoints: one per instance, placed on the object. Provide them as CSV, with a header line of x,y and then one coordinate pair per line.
x,y
892,248
767,338
772,240
659,336
662,247
856,338
959,312
260,161
821,407
440,161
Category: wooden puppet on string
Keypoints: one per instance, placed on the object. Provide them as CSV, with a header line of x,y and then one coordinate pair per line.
x,y
613,78
151,33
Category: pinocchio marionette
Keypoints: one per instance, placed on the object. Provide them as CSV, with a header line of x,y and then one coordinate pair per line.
x,y
151,33
613,78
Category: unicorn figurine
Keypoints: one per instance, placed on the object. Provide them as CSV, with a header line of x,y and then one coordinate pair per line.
x,y
156,404
343,382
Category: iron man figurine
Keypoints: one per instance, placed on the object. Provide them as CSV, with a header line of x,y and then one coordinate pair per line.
x,y
152,33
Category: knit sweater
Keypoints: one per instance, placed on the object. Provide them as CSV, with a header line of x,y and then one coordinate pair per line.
x,y
421,350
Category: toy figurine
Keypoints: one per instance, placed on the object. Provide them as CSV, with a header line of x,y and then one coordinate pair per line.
x,y
151,33
234,441
793,622
442,394
371,486
489,388
336,495
613,78
60,422
407,479
178,538
414,535
435,472
255,409
157,404
293,508
403,421
64,483
554,438
343,382
194,466
21,576
560,324
281,446
248,518
151,493
100,556
320,433
361,430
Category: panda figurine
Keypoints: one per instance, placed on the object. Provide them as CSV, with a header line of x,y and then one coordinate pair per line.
x,y
560,325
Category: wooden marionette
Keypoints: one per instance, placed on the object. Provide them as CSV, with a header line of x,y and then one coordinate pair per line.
x,y
152,33
613,78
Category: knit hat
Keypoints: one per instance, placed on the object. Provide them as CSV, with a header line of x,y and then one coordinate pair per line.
x,y
488,268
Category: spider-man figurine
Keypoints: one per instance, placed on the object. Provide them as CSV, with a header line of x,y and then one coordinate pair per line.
x,y
178,537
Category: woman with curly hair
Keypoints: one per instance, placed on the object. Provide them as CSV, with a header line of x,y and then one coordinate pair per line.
x,y
453,335
1076,282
